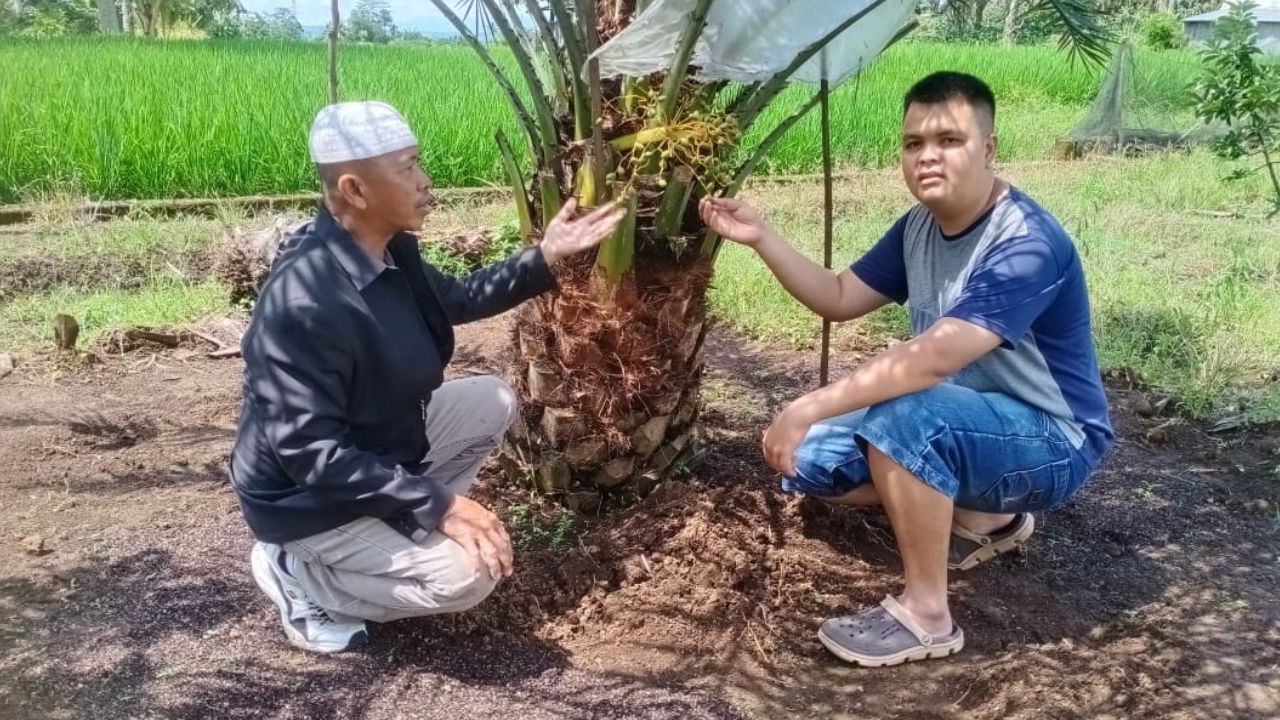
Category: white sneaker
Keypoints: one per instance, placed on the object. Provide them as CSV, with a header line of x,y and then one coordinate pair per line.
x,y
306,624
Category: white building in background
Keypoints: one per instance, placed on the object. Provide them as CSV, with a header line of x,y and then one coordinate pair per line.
x,y
1267,15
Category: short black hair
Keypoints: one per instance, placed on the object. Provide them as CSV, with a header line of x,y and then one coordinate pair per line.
x,y
941,87
329,175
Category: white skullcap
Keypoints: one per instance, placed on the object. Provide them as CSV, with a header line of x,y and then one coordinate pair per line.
x,y
358,130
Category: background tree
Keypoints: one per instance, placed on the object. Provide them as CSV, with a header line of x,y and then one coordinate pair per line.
x,y
1163,31
54,18
108,17
279,24
1242,90
156,18
8,18
370,21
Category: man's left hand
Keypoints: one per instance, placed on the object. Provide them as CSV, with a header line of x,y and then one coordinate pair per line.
x,y
782,439
566,236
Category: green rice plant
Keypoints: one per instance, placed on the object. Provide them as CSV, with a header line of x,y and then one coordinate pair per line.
x,y
126,118
130,118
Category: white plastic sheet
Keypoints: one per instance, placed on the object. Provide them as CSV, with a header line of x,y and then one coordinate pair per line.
x,y
751,40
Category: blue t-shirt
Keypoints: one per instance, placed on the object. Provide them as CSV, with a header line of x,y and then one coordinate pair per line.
x,y
1015,272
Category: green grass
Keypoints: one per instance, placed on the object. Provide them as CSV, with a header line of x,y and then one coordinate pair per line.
x,y
537,527
154,271
163,296
128,118
1186,299
506,241
124,254
130,272
28,321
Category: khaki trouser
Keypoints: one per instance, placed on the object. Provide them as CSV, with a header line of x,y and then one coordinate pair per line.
x,y
366,569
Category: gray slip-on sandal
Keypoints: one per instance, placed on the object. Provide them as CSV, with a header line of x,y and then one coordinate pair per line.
x,y
885,635
969,550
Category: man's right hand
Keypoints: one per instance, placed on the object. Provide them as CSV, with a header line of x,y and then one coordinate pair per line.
x,y
735,220
834,296
481,534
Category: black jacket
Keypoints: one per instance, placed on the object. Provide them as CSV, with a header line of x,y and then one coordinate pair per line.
x,y
342,355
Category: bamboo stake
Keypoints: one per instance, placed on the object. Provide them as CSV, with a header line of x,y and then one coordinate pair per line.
x,y
824,363
333,53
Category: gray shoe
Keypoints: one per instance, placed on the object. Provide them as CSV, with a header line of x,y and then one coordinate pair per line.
x,y
969,550
885,635
306,624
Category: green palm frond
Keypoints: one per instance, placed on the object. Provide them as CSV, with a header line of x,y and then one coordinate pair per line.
x,y
1080,23
475,13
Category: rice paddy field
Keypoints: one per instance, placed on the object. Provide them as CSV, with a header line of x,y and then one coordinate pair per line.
x,y
127,118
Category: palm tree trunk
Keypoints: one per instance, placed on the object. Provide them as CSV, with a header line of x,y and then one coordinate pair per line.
x,y
610,391
609,369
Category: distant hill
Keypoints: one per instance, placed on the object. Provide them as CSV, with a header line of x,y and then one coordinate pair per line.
x,y
319,32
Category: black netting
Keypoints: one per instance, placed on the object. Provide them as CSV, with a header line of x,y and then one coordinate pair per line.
x,y
1139,103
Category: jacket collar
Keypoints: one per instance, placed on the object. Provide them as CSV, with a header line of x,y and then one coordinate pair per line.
x,y
358,264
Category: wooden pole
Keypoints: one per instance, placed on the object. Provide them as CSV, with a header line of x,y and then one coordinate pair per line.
x,y
333,52
827,218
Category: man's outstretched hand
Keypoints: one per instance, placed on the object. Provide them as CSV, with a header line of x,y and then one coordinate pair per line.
x,y
735,220
567,236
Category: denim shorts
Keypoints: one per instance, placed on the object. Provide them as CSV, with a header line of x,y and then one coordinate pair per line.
x,y
986,451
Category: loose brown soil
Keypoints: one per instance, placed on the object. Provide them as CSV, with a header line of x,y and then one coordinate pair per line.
x,y
1152,595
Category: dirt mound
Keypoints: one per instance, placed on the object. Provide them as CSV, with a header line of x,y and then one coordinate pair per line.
x,y
471,246
242,259
219,337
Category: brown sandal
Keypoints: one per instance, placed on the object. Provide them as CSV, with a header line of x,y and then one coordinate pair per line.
x,y
969,550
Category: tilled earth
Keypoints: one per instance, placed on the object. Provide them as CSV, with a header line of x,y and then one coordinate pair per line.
x,y
125,593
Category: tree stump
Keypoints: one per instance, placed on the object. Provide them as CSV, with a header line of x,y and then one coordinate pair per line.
x,y
65,331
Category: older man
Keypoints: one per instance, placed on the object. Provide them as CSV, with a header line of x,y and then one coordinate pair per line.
x,y
994,410
353,457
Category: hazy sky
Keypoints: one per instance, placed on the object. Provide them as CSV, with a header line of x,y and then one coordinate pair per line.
x,y
417,15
